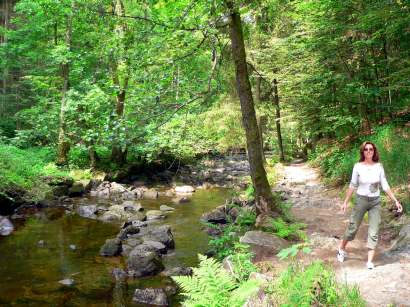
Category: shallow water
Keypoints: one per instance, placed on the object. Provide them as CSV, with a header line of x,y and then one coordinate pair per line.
x,y
30,270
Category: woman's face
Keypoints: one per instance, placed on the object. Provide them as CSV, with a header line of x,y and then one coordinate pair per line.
x,y
368,151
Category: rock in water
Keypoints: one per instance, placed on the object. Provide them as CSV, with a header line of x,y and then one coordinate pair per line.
x,y
144,264
112,247
155,215
119,274
166,208
185,189
151,296
178,271
67,282
6,227
87,211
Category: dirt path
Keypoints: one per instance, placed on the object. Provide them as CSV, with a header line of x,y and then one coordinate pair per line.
x,y
388,284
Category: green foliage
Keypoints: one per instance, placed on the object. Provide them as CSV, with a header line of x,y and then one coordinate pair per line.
x,y
212,286
313,285
245,218
224,244
250,192
293,250
291,231
242,262
24,169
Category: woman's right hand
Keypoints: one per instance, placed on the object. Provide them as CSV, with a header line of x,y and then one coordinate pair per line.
x,y
343,208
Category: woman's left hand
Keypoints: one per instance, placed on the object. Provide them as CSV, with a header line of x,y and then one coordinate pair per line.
x,y
399,207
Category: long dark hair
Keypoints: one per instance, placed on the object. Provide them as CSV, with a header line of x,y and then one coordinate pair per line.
x,y
375,152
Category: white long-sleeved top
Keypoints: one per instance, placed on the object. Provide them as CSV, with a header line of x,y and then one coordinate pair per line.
x,y
368,179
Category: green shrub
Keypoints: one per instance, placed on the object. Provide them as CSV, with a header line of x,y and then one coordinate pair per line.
x,y
242,262
293,250
246,217
210,285
313,285
291,231
224,244
24,169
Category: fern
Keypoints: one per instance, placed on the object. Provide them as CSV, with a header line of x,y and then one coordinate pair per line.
x,y
288,231
211,286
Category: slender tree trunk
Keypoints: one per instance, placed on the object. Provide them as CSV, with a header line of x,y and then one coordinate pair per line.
x,y
258,90
63,146
277,120
261,120
265,204
94,158
118,153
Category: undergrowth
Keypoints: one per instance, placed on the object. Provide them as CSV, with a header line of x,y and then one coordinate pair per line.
x,y
23,168
312,285
223,245
211,285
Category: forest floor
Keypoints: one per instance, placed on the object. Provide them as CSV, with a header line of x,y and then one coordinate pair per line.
x,y
318,206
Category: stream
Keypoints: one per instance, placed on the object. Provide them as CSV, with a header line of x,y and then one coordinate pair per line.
x,y
54,244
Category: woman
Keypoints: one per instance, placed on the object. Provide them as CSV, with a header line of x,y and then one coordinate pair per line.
x,y
368,175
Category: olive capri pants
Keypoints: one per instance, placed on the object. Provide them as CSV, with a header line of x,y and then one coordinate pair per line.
x,y
363,204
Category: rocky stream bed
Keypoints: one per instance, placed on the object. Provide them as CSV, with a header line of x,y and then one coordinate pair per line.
x,y
110,243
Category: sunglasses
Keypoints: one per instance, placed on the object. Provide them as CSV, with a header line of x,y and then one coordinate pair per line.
x,y
368,149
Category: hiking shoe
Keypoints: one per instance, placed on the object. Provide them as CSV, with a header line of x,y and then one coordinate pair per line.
x,y
370,265
341,255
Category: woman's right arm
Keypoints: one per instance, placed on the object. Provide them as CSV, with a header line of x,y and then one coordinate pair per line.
x,y
354,183
349,194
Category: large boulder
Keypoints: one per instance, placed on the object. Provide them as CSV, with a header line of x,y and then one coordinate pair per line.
x,y
264,240
161,234
112,247
116,191
6,227
118,213
150,296
144,264
149,246
216,216
129,244
128,231
402,242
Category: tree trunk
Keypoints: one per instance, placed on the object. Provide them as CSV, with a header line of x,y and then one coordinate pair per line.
x,y
264,199
63,146
278,130
119,154
258,90
261,121
94,158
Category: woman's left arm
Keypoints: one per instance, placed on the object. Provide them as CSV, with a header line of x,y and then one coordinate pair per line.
x,y
391,195
386,189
